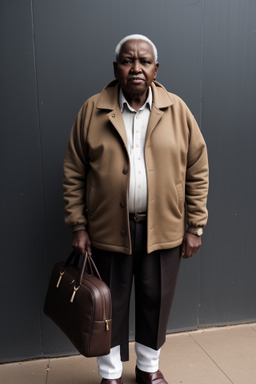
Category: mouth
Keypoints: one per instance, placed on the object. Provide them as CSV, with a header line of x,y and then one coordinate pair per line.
x,y
136,80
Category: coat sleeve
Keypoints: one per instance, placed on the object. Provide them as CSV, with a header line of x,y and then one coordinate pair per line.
x,y
75,171
197,176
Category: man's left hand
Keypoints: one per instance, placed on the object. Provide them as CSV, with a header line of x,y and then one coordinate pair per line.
x,y
191,243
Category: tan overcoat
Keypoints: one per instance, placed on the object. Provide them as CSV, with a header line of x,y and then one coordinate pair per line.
x,y
96,172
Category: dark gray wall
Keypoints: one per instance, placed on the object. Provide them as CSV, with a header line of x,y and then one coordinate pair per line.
x,y
55,54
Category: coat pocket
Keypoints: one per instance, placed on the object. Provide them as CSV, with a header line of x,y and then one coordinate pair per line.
x,y
180,197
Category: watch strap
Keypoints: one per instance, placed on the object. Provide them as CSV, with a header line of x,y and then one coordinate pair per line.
x,y
198,231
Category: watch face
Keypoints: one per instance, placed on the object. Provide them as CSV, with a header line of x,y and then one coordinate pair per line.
x,y
199,231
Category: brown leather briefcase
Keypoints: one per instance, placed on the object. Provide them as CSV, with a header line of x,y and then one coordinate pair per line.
x,y
79,302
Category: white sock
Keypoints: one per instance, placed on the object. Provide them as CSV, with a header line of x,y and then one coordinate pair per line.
x,y
110,366
147,358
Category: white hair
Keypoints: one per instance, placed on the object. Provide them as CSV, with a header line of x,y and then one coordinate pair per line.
x,y
135,37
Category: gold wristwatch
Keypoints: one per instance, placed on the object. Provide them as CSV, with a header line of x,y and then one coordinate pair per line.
x,y
198,231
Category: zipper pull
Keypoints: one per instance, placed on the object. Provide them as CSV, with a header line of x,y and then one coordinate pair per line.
x,y
106,325
59,279
74,293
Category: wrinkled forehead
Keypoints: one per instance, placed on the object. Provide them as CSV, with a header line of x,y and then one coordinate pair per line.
x,y
137,48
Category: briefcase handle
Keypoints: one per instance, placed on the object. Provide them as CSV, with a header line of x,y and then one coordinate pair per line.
x,y
87,258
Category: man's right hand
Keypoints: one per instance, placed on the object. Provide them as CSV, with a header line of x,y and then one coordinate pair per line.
x,y
81,242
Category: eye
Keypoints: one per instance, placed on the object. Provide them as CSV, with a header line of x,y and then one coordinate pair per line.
x,y
127,61
145,61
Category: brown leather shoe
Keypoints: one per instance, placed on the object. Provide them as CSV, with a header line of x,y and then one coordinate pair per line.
x,y
112,381
149,378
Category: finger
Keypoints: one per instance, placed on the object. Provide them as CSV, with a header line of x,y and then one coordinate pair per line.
x,y
89,248
186,256
81,250
188,252
82,247
183,249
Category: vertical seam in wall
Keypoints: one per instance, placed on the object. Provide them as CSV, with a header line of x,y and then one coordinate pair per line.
x,y
200,124
201,67
40,147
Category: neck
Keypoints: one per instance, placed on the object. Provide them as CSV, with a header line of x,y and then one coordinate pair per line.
x,y
136,100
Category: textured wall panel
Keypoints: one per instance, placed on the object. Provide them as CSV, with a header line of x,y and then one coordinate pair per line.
x,y
22,259
55,54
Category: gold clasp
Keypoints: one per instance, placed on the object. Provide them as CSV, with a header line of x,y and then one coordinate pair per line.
x,y
74,293
59,279
106,325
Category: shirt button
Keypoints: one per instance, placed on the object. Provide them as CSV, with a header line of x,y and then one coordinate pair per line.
x,y
137,145
125,171
123,204
123,232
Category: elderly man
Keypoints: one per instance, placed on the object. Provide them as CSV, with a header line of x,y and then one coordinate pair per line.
x,y
135,158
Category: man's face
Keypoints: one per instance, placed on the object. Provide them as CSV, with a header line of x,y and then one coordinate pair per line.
x,y
136,68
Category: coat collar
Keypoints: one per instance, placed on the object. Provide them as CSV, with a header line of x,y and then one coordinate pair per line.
x,y
108,98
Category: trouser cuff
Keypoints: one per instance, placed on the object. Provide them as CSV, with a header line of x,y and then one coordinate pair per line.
x,y
147,358
111,376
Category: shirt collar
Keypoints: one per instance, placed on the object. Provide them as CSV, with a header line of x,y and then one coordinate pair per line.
x,y
123,101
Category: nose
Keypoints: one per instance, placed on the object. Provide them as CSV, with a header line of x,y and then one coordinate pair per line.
x,y
136,66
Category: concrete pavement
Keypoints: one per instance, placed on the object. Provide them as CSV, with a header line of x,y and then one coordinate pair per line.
x,y
223,355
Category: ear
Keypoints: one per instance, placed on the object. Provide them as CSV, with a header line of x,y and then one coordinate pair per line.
x,y
156,69
115,67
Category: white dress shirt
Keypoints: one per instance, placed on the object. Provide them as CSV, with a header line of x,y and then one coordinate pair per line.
x,y
136,124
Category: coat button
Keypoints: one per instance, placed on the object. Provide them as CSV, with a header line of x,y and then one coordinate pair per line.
x,y
113,115
123,204
125,171
123,232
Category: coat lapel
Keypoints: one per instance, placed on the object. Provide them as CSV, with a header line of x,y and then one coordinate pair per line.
x,y
108,100
161,100
155,117
117,121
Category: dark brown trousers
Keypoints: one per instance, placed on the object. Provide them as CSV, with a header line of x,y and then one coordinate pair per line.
x,y
155,277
